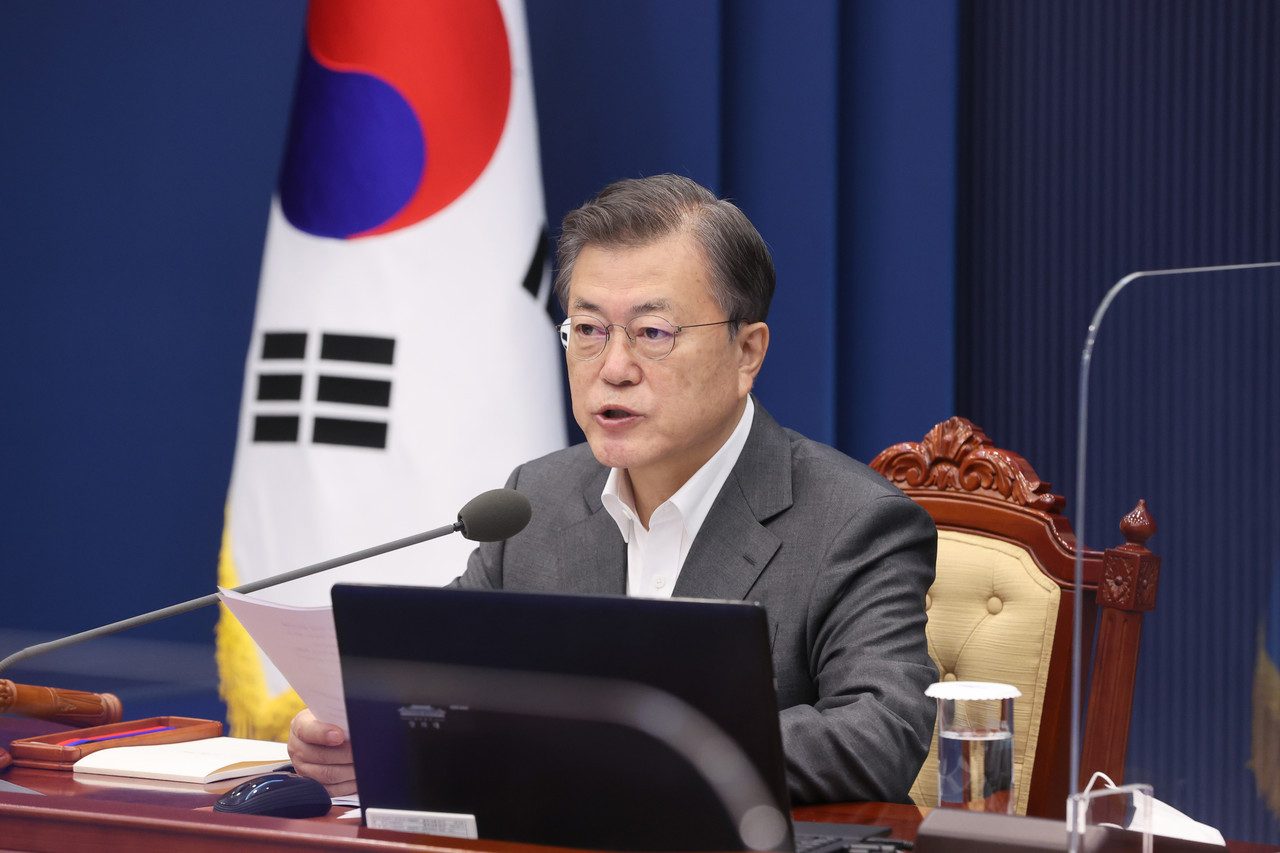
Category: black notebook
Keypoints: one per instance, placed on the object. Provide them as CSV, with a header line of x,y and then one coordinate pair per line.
x,y
600,722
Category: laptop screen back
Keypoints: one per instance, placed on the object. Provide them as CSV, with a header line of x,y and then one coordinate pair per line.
x,y
578,721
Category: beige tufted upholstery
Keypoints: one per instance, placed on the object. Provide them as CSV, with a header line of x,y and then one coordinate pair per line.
x,y
1002,604
989,598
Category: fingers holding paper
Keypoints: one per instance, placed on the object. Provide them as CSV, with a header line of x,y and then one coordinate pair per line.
x,y
321,751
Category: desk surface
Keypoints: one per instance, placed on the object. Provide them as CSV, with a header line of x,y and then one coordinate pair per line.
x,y
135,816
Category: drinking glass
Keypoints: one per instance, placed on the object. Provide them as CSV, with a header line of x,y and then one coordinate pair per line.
x,y
975,745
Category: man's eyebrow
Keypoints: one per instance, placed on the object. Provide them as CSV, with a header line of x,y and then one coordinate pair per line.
x,y
650,306
580,304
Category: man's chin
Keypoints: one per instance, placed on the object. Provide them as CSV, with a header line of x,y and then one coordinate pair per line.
x,y
608,458
612,453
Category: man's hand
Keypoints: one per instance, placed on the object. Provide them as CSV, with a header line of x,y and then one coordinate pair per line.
x,y
320,751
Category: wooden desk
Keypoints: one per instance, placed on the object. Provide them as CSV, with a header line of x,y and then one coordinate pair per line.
x,y
135,816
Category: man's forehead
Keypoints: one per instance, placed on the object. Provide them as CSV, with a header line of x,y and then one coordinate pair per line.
x,y
655,277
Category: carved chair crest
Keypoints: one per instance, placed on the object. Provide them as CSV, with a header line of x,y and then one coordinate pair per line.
x,y
956,455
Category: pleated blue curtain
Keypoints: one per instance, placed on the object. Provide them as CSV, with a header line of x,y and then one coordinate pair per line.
x,y
833,126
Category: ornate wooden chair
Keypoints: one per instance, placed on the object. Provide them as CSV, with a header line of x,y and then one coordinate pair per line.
x,y
1001,607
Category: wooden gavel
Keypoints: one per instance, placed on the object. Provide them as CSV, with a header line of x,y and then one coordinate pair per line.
x,y
71,707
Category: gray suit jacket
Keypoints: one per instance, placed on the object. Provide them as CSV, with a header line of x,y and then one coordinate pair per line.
x,y
841,561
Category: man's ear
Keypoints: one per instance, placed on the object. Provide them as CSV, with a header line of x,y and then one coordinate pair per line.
x,y
753,342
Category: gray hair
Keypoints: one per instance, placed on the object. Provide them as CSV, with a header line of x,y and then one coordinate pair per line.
x,y
637,212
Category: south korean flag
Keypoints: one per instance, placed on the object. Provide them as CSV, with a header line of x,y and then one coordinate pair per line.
x,y
402,357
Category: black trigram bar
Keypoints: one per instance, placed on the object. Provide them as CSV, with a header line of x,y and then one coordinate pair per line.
x,y
280,386
533,275
284,345
362,348
350,432
361,392
275,428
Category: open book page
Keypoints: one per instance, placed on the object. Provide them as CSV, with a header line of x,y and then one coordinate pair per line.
x,y
209,760
301,642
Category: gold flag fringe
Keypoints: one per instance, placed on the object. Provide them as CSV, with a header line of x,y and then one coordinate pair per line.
x,y
1266,726
251,712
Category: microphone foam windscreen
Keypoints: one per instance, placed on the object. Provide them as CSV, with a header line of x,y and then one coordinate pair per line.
x,y
494,515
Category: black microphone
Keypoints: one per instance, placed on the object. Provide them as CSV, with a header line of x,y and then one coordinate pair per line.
x,y
488,517
494,515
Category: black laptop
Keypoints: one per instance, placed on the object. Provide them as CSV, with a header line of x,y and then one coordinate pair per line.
x,y
600,722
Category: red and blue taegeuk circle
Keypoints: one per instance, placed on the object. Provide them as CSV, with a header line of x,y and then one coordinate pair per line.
x,y
398,109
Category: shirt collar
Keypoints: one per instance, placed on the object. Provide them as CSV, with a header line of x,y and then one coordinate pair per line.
x,y
693,500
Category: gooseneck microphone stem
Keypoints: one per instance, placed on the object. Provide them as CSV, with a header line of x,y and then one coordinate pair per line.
x,y
212,598
1082,431
488,517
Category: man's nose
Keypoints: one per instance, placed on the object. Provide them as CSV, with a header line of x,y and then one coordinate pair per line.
x,y
619,362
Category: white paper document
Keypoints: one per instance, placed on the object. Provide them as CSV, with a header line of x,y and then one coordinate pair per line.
x,y
302,644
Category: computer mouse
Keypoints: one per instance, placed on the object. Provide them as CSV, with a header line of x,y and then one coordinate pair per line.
x,y
276,795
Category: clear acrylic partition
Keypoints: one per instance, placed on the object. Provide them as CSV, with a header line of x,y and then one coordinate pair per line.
x,y
1183,410
1121,808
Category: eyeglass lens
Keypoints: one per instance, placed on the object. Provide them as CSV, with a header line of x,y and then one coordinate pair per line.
x,y
650,336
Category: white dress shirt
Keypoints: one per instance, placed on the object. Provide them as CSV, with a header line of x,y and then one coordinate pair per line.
x,y
655,555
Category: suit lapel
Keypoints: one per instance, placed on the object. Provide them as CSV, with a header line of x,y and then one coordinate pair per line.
x,y
731,550
733,547
592,554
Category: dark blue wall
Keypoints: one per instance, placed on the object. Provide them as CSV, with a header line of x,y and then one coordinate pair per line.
x,y
139,145
1100,138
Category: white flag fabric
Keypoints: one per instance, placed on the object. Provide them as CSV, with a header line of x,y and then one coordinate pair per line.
x,y
402,360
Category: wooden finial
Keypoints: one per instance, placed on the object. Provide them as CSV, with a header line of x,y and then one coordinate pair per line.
x,y
1138,526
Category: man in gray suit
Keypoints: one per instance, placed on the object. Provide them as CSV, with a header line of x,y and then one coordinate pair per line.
x,y
687,487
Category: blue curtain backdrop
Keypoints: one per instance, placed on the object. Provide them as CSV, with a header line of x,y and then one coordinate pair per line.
x,y
142,140
833,126
948,188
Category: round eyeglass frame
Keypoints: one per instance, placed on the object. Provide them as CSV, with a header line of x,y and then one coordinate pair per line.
x,y
566,324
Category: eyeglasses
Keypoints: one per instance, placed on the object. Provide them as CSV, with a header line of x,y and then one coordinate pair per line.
x,y
651,337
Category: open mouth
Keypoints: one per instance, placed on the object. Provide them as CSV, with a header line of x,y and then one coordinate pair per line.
x,y
615,414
